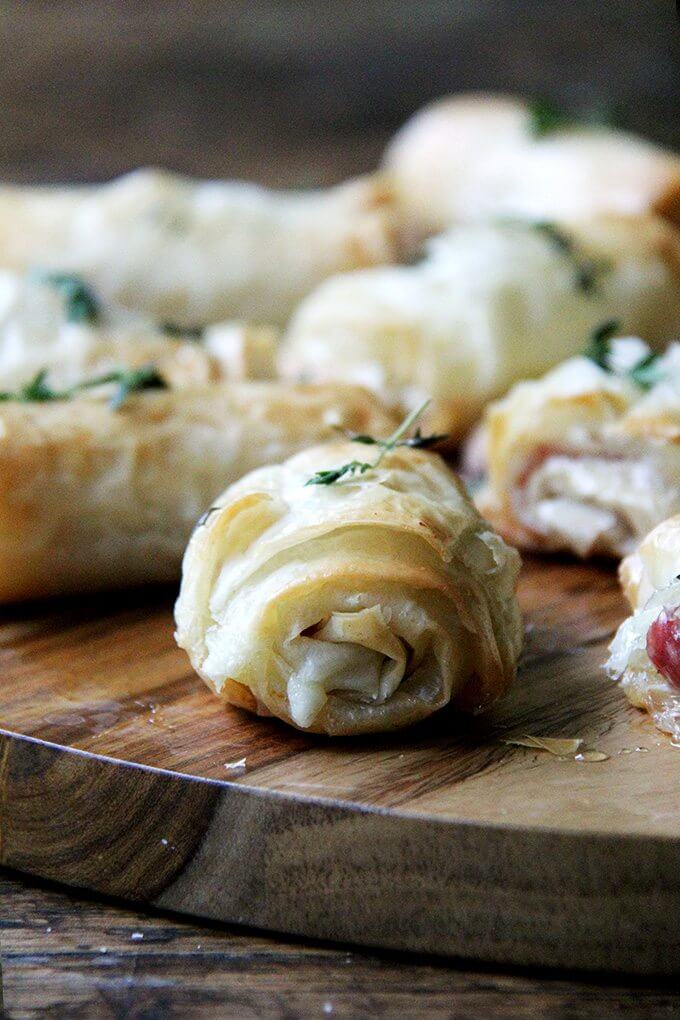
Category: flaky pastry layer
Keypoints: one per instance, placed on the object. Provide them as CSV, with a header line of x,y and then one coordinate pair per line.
x,y
361,606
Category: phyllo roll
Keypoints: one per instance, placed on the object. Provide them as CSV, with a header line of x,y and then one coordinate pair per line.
x,y
55,322
348,598
196,252
587,459
490,304
101,487
475,156
645,654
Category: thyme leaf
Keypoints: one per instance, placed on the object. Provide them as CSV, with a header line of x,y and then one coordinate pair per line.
x,y
127,381
587,271
335,474
181,332
646,373
353,467
545,117
132,381
420,442
35,390
557,237
81,304
599,347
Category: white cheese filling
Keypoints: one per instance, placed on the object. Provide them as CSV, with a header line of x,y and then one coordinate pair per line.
x,y
593,503
628,662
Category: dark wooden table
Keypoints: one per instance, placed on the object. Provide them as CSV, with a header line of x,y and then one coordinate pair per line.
x,y
67,955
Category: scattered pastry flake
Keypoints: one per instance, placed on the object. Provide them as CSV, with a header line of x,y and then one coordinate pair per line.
x,y
236,766
592,756
559,746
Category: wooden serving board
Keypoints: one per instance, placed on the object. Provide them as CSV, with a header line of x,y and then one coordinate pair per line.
x,y
119,772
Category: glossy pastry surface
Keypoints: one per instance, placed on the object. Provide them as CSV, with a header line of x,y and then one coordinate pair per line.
x,y
94,496
587,458
489,304
474,157
645,654
352,607
195,252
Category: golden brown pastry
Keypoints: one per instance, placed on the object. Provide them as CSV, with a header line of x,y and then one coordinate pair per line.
x,y
57,323
587,459
351,607
93,497
243,350
489,305
196,252
645,654
473,157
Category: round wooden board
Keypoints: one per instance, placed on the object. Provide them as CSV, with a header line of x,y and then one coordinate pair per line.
x,y
120,773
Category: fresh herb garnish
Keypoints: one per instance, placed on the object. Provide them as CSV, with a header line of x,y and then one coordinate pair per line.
x,y
645,373
127,381
354,467
181,332
545,117
335,474
587,271
36,390
81,304
557,237
132,381
417,441
599,347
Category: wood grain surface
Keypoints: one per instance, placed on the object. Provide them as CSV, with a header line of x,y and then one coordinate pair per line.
x,y
120,773
302,93
64,954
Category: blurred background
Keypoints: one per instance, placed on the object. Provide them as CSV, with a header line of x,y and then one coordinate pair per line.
x,y
295,92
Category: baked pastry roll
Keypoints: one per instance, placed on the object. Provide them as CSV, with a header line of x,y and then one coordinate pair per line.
x,y
654,565
489,305
587,459
243,350
92,497
477,156
645,654
353,607
55,322
196,252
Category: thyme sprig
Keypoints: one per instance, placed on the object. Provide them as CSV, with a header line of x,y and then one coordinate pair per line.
x,y
545,118
172,329
398,438
126,381
645,373
599,345
80,303
333,475
587,271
